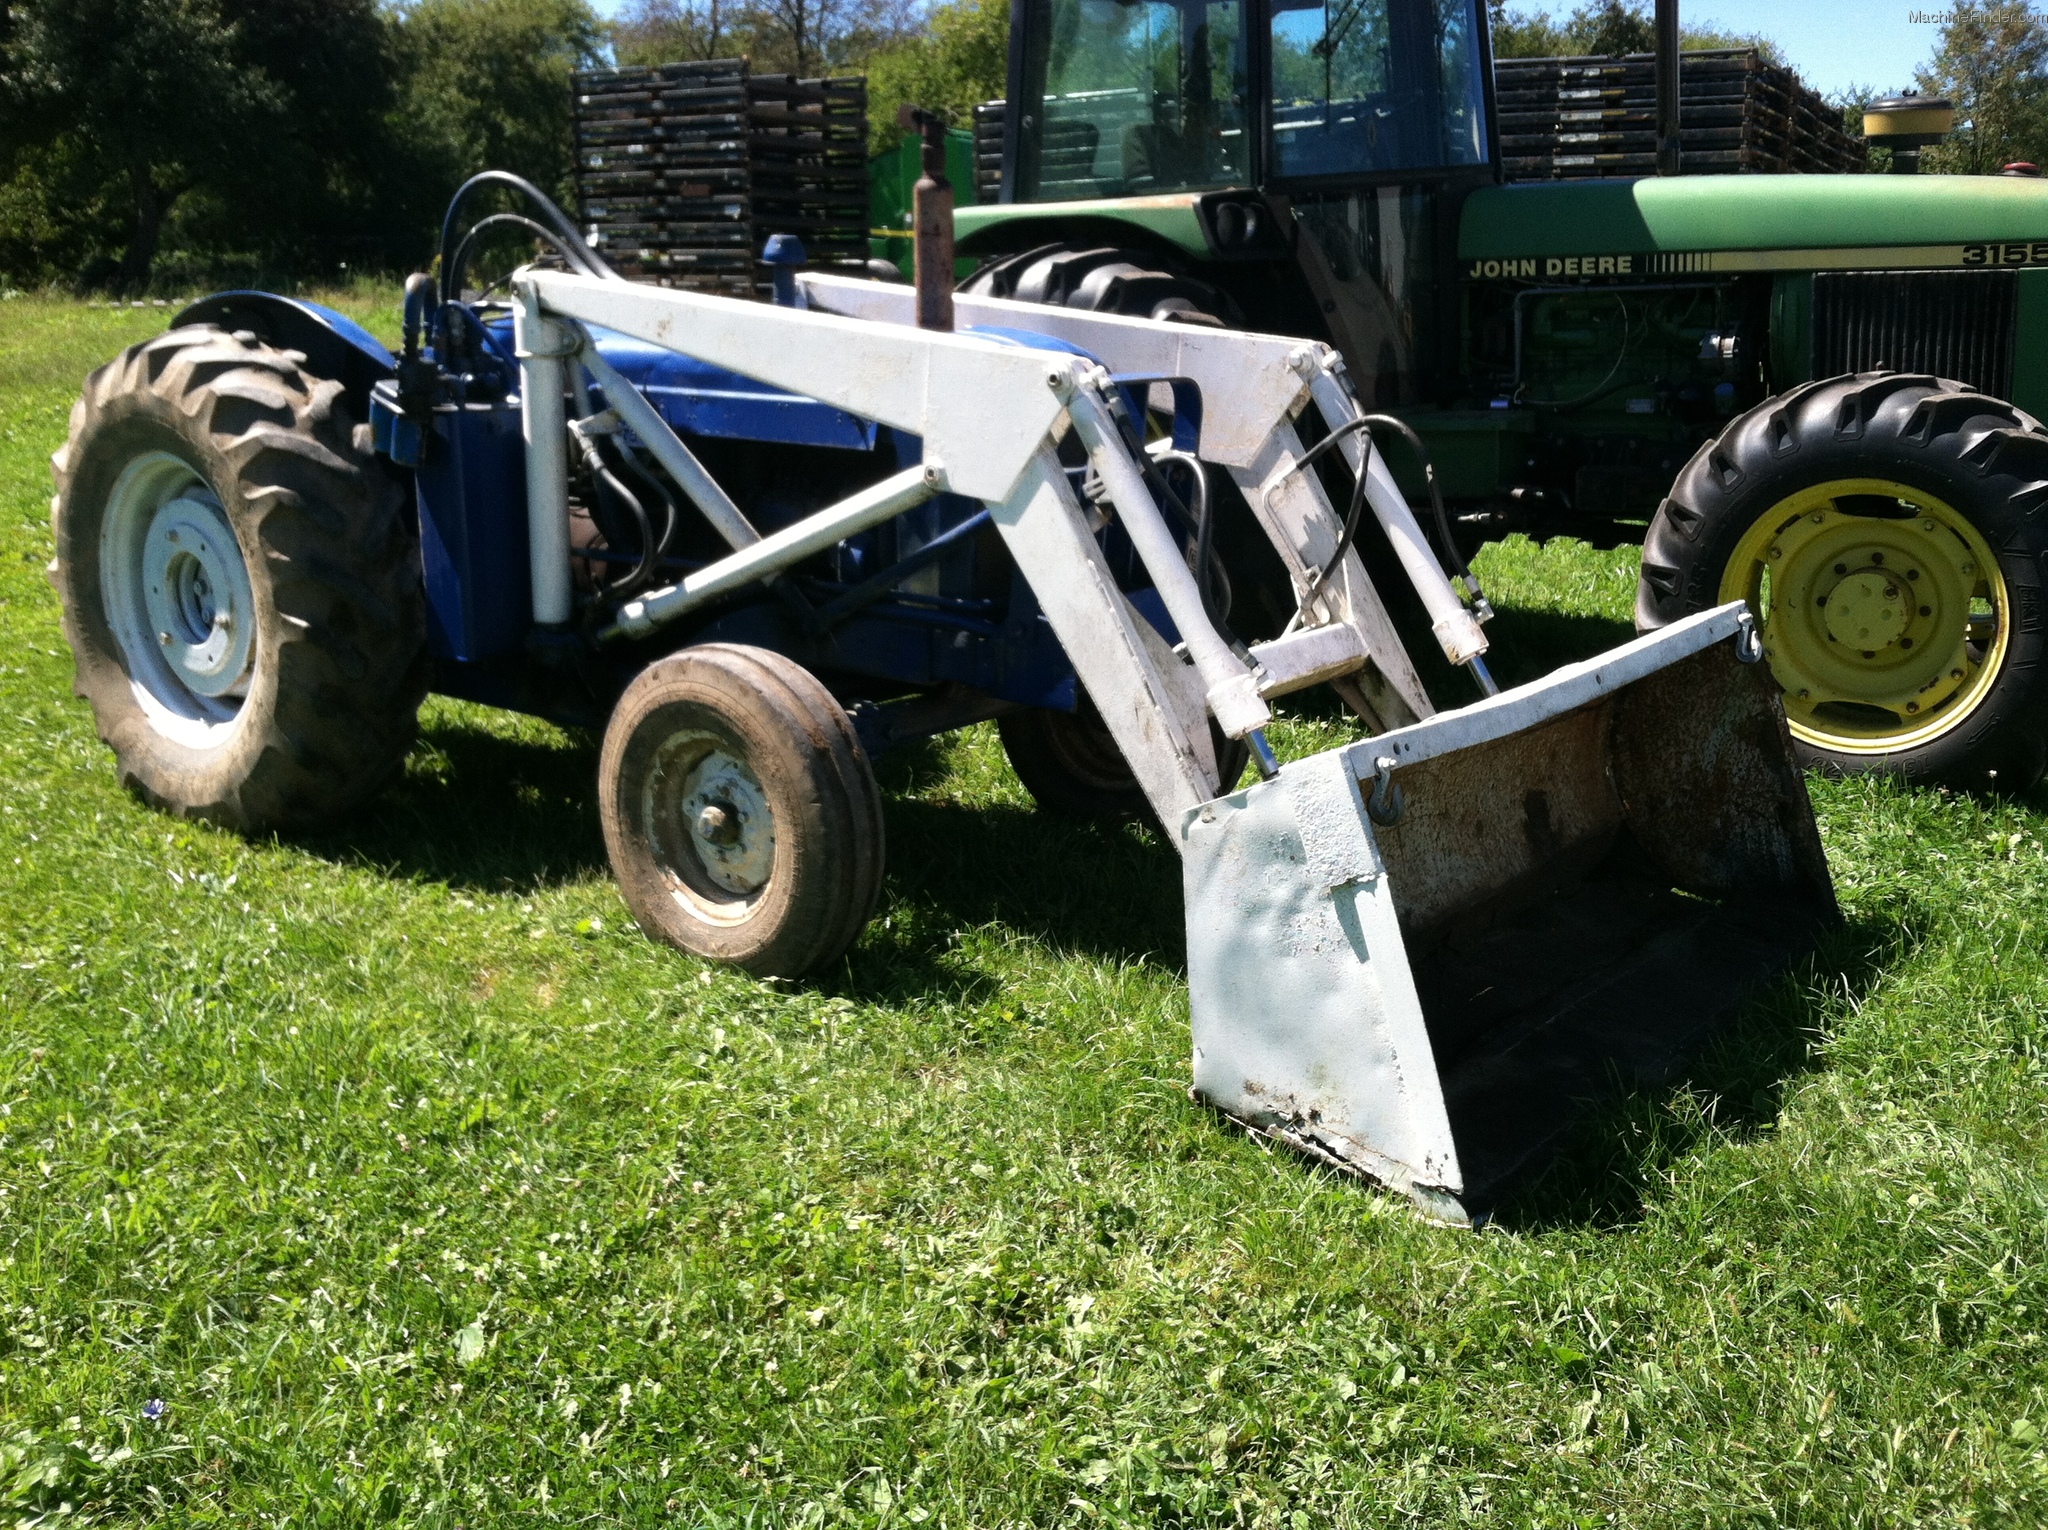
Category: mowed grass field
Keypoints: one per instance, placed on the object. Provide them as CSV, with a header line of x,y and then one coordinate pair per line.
x,y
391,1177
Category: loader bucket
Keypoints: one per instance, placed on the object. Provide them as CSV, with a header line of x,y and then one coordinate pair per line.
x,y
1418,956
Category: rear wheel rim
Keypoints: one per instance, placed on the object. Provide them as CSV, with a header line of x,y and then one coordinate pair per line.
x,y
178,601
1885,615
708,826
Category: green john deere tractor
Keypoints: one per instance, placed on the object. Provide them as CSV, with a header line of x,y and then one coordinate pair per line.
x,y
1819,390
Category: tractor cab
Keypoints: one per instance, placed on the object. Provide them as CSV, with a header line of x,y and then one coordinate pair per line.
x,y
1140,97
1319,152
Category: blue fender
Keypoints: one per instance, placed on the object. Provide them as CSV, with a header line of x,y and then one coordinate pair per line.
x,y
334,345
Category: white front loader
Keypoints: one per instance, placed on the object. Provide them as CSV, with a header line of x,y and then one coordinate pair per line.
x,y
1411,956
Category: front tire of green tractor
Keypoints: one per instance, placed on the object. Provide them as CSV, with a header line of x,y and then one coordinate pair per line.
x,y
1888,530
240,582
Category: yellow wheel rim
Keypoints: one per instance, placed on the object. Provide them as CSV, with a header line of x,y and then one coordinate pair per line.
x,y
1885,617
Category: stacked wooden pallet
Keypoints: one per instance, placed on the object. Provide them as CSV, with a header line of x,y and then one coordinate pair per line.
x,y
988,151
684,170
1572,118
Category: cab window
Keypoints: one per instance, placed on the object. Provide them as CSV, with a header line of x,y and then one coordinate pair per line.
x,y
1140,96
1370,86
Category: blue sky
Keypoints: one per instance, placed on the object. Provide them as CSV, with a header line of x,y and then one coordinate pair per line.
x,y
1832,43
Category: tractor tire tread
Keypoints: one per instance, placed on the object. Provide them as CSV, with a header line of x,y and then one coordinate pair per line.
x,y
1913,428
325,534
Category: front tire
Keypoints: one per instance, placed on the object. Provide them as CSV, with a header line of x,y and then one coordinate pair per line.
x,y
1887,529
240,583
739,812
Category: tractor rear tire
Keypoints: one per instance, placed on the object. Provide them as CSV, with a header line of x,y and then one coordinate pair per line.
x,y
1102,280
739,812
240,580
1889,529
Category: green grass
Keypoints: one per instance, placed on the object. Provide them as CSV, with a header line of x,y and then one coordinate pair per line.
x,y
422,1190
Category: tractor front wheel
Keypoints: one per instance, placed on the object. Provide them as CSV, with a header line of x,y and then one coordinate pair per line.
x,y
240,581
739,812
1888,531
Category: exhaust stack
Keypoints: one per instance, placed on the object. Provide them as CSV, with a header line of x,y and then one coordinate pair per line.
x,y
1667,88
931,204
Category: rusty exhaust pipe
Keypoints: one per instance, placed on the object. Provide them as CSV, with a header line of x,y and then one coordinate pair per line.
x,y
932,220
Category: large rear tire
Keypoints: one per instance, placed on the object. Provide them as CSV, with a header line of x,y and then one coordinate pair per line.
x,y
1888,530
240,582
1103,279
739,812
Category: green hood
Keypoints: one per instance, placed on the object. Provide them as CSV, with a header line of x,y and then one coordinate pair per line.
x,y
1753,212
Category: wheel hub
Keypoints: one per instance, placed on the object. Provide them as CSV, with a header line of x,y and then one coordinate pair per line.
x,y
177,598
731,829
195,591
1866,611
1870,593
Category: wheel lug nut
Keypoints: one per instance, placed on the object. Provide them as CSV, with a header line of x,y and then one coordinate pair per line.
x,y
1876,559
1927,610
1955,674
1912,573
1905,642
1912,706
1841,568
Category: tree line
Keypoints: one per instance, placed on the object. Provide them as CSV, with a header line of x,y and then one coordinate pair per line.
x,y
194,142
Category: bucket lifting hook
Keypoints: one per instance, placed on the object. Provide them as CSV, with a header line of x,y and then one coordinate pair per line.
x,y
1749,643
1386,804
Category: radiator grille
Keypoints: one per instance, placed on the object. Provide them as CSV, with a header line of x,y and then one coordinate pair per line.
x,y
1955,324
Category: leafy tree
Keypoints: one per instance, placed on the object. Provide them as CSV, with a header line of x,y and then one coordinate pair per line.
x,y
132,103
804,37
1600,27
1993,63
671,31
961,60
484,85
237,130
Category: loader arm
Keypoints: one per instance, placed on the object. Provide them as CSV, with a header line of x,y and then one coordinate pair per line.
x,y
1412,957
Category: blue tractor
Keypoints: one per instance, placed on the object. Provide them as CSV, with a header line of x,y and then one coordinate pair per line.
x,y
758,544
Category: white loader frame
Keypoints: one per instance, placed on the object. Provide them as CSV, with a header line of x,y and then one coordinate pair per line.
x,y
1308,1020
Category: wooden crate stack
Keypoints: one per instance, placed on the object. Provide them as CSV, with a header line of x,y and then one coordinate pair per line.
x,y
684,170
1576,118
988,151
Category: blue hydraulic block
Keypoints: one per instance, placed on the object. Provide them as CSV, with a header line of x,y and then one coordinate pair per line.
x,y
470,477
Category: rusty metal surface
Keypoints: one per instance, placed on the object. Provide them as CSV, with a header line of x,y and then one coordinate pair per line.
x,y
1703,760
1492,823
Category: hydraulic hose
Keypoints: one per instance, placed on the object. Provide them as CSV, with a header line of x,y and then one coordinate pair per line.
x,y
578,254
1209,571
1148,467
607,484
458,265
1453,559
